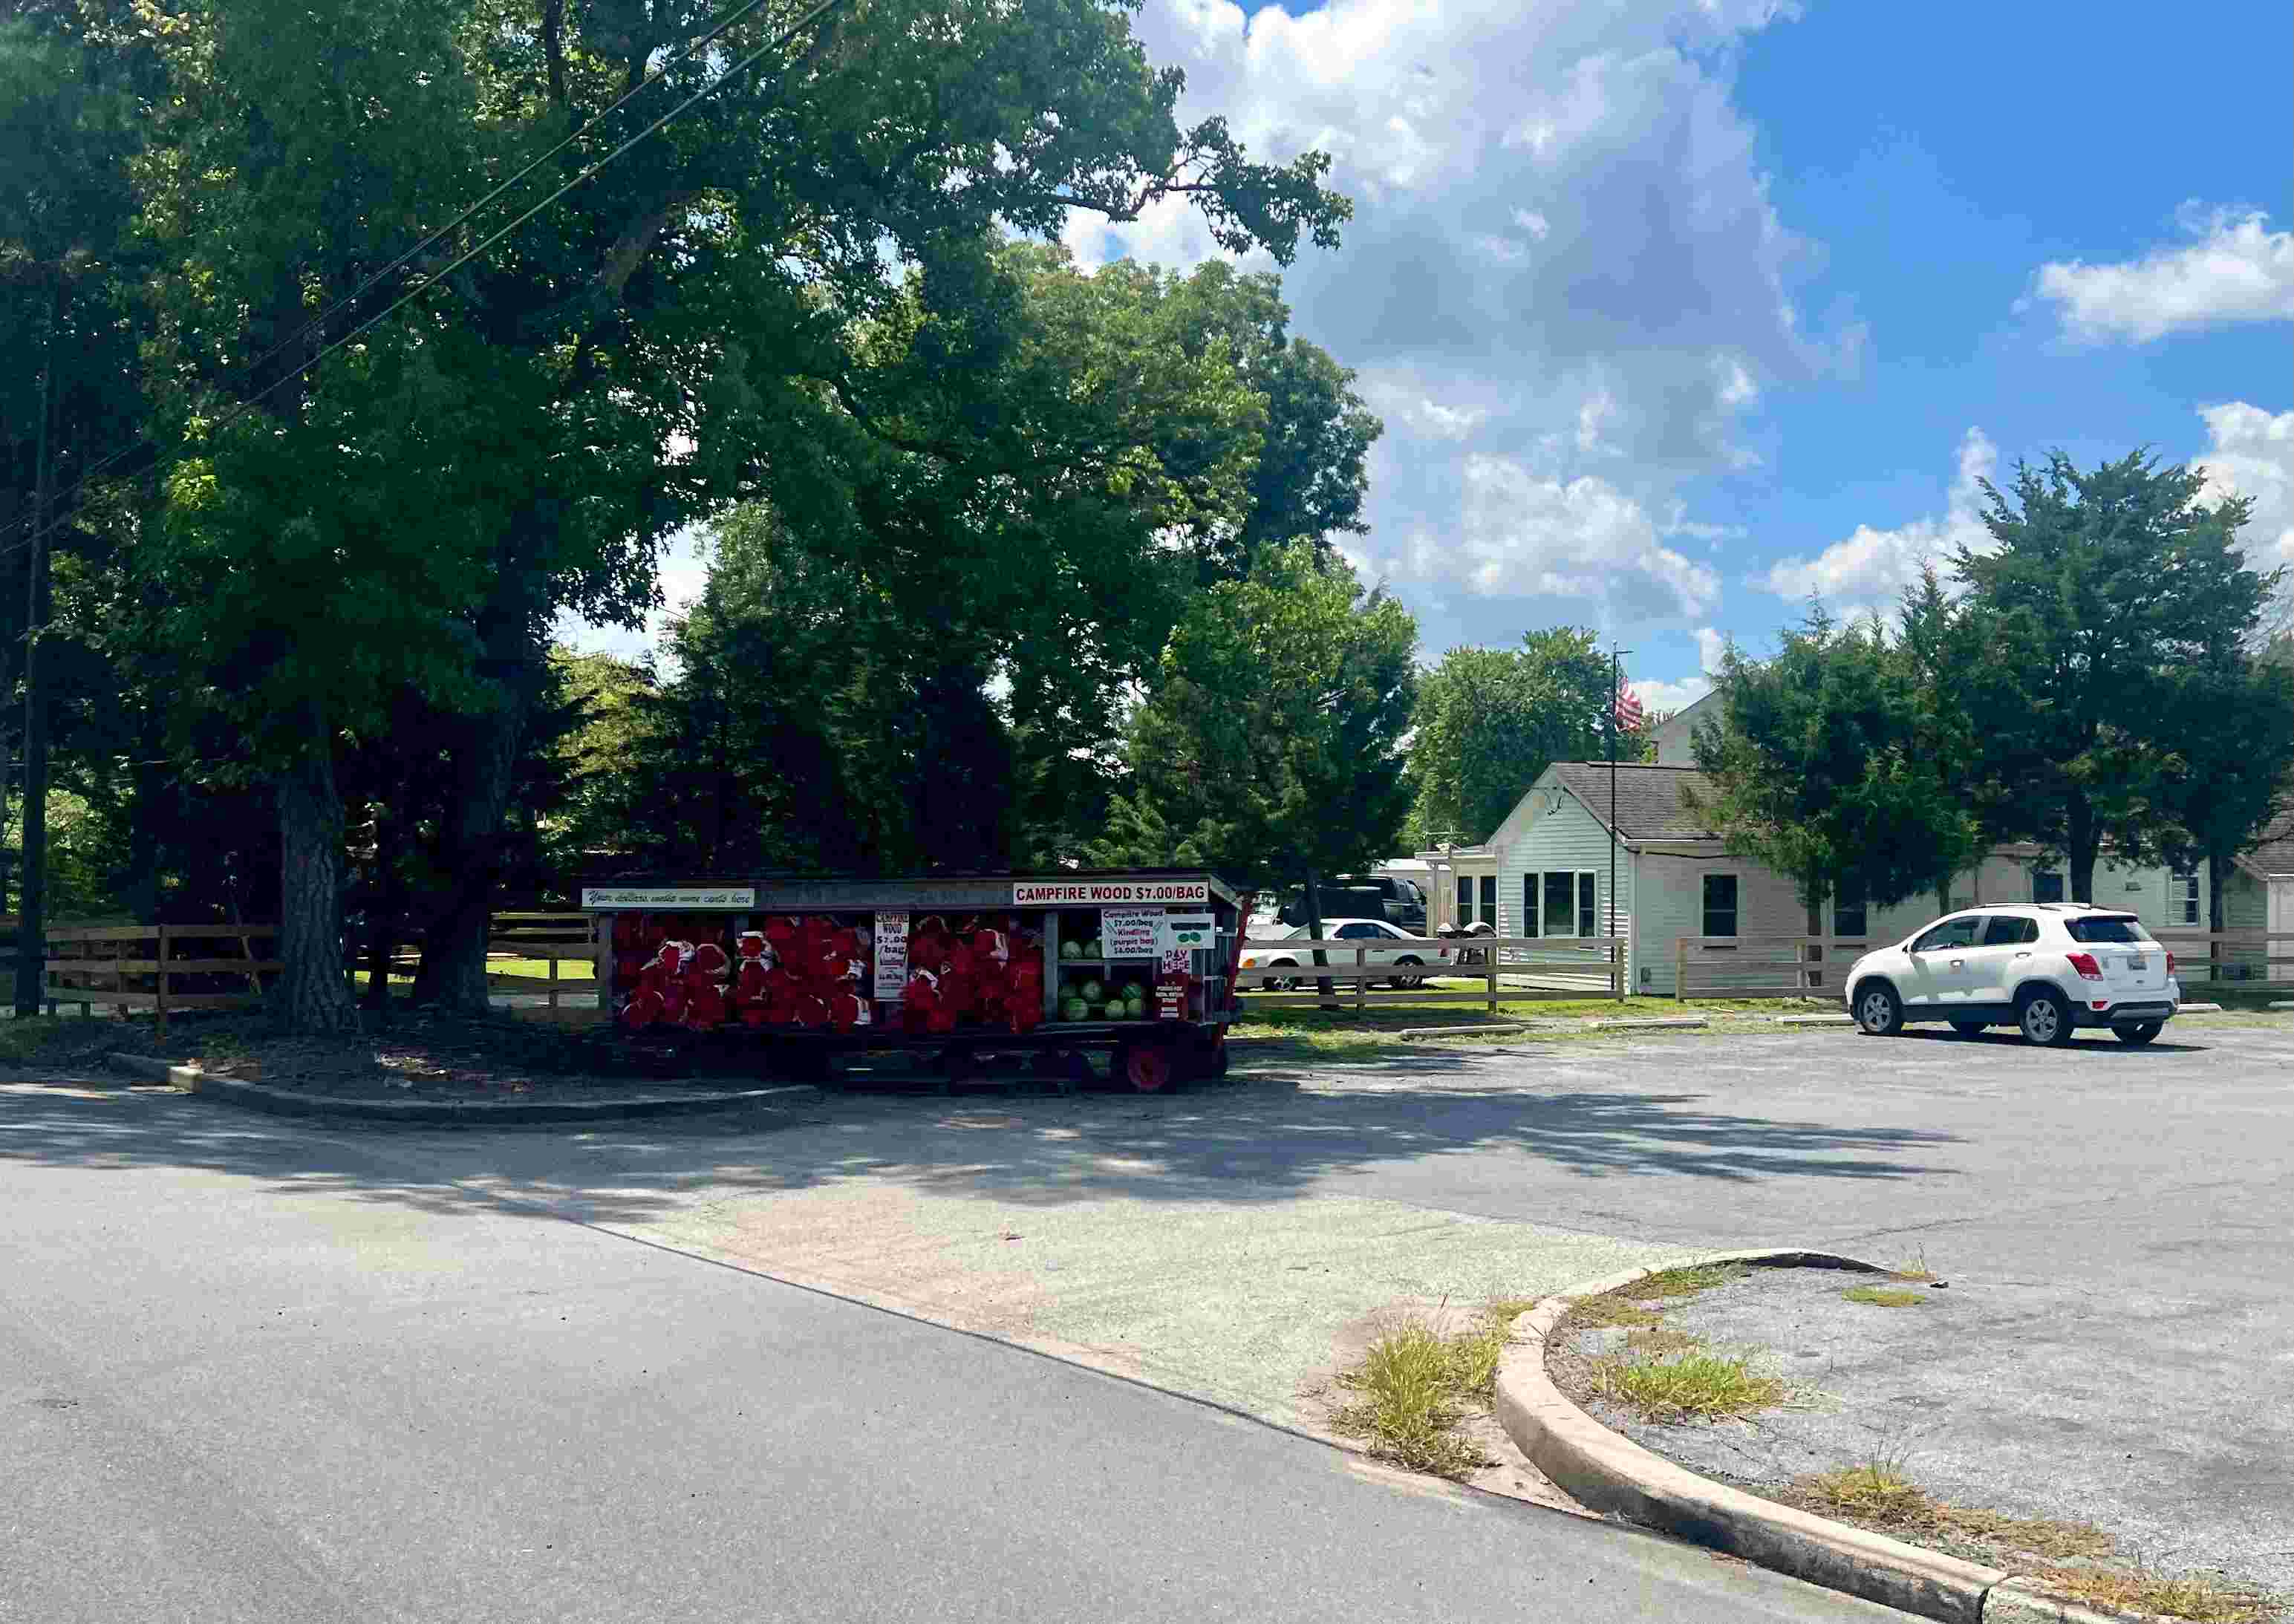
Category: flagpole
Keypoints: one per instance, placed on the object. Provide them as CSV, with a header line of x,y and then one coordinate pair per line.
x,y
1616,726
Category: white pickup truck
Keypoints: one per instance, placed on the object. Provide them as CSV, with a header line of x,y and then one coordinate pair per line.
x,y
2047,968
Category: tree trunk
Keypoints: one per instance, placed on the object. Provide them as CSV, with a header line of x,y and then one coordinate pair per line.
x,y
140,889
1314,929
2218,872
310,995
2080,850
452,974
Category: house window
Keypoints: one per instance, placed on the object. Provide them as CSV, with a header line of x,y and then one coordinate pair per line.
x,y
1719,904
1489,915
2183,897
1847,915
1560,917
1465,901
2047,887
1559,902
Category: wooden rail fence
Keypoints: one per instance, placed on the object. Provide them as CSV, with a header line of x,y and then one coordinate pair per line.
x,y
1582,967
1762,966
2223,957
159,968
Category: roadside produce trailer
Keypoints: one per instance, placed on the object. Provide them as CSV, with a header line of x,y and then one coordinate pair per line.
x,y
1137,961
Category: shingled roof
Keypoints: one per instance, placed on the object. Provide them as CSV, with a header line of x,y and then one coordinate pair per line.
x,y
2273,851
1648,799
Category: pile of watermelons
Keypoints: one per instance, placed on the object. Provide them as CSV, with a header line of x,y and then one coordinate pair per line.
x,y
1086,997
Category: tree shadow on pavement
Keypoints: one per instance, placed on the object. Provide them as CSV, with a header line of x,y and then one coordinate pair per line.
x,y
1269,1136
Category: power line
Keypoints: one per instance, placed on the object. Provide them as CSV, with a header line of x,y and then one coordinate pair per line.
x,y
700,43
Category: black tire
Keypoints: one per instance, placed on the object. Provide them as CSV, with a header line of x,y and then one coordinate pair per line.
x,y
1879,1012
1403,983
1969,1028
2138,1033
1283,984
2044,1017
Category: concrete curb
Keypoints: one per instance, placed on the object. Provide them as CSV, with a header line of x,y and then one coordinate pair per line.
x,y
1814,1021
1501,1026
2204,1009
1677,1023
1616,1475
285,1103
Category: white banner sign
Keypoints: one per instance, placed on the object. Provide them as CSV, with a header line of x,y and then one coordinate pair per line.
x,y
669,896
1186,932
1107,893
892,953
1130,933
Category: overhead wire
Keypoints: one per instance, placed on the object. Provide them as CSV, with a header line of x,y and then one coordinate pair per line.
x,y
700,43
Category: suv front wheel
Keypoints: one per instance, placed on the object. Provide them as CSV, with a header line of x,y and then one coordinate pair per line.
x,y
2044,1017
1878,1010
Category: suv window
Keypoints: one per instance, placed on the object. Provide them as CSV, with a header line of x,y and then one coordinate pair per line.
x,y
1951,933
2107,928
2007,930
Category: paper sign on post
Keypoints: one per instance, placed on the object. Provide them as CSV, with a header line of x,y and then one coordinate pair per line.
x,y
1186,932
1130,933
891,953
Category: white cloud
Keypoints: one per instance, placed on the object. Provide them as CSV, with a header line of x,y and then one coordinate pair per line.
x,y
2233,270
1868,573
2252,455
1671,696
1710,644
1524,536
1564,258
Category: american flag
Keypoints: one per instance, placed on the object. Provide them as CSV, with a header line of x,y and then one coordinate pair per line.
x,y
1627,709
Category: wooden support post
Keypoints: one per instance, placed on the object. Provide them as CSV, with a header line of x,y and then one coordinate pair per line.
x,y
1617,968
1490,968
553,979
1680,968
1361,979
160,988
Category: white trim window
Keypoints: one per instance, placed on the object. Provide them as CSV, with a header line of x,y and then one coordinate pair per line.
x,y
1560,901
2183,898
1722,897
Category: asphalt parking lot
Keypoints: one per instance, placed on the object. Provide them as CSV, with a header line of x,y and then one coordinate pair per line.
x,y
2115,1220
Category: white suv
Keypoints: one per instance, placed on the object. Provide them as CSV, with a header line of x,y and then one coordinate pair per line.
x,y
2048,968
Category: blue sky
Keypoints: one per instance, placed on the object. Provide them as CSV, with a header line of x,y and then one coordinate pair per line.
x,y
1580,229
1678,310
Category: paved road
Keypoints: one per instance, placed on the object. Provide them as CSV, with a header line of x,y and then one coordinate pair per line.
x,y
2117,1221
249,1370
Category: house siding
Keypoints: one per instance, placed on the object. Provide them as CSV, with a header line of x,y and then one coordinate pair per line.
x,y
1567,838
1672,904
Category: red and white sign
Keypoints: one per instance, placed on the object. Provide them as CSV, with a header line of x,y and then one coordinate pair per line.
x,y
1106,893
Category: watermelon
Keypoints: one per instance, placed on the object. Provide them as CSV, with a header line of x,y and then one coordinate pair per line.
x,y
1070,950
1075,1008
1096,949
1133,992
1135,1009
1092,993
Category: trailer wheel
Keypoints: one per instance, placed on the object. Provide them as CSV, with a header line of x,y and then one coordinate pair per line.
x,y
1149,1068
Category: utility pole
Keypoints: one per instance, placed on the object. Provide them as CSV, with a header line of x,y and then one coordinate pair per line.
x,y
31,926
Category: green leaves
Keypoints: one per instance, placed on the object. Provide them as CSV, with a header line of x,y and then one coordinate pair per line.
x,y
1490,720
1834,763
1270,739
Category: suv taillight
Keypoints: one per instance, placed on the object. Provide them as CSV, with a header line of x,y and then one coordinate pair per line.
x,y
2170,963
2084,963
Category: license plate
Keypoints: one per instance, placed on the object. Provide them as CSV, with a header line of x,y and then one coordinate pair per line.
x,y
2138,962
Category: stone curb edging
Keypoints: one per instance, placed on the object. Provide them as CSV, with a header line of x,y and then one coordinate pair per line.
x,y
2202,1008
284,1102
1612,1475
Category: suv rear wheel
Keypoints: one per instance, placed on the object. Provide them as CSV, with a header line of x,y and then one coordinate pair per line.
x,y
2044,1017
